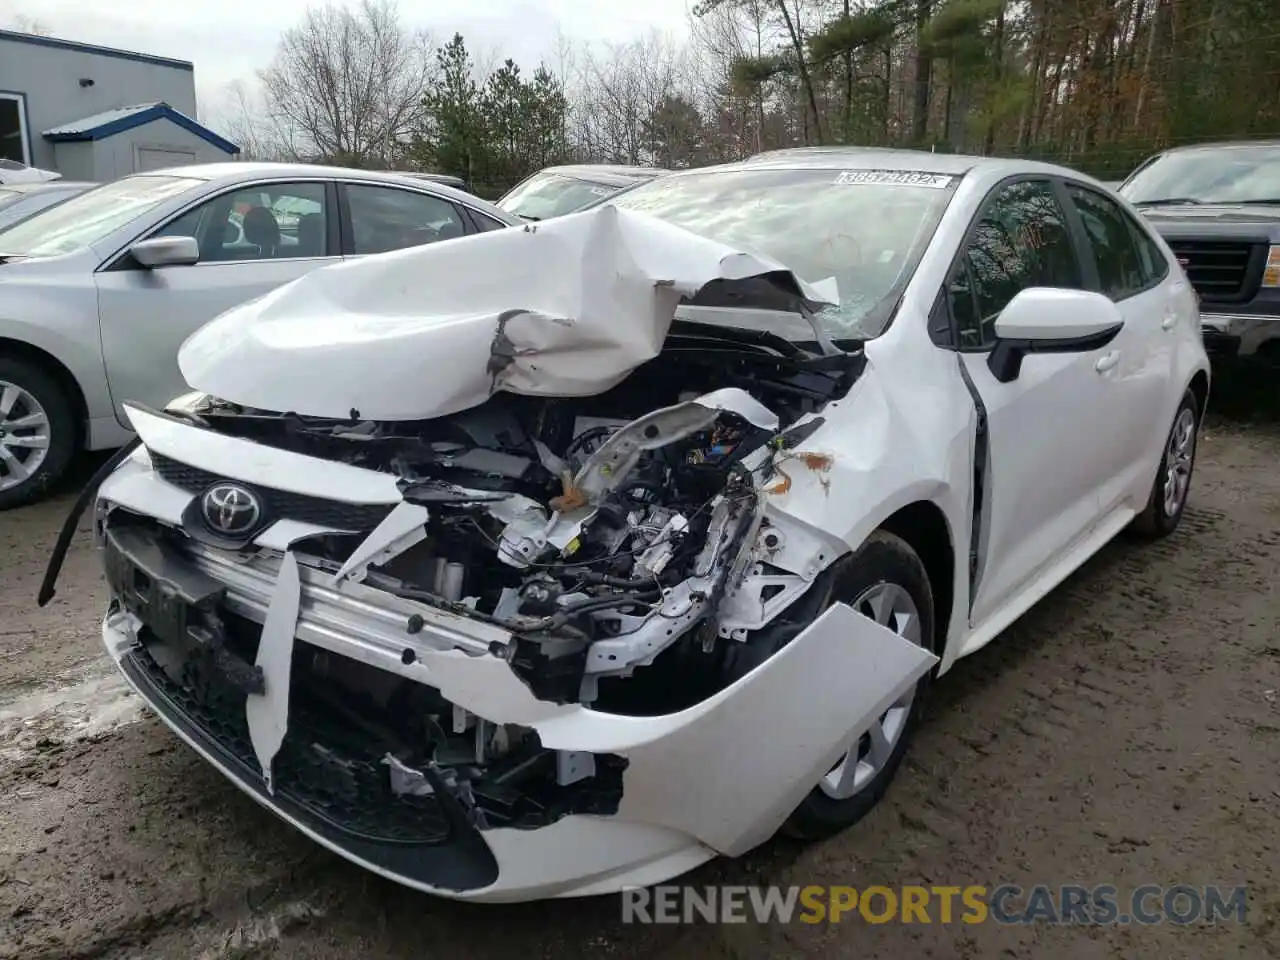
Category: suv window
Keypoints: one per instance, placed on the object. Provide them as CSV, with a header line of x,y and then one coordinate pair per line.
x,y
1152,260
387,218
1021,240
264,222
1115,250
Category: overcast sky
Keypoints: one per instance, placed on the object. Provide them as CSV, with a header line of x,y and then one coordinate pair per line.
x,y
229,39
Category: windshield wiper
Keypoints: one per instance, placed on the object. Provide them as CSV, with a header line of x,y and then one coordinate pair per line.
x,y
1249,203
1168,201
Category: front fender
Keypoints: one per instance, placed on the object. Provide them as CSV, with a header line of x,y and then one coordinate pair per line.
x,y
58,315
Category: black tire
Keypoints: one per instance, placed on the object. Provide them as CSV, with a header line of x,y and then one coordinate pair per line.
x,y
884,558
64,434
1156,520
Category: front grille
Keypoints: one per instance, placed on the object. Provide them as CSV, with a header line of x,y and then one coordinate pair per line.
x,y
1221,270
318,766
280,504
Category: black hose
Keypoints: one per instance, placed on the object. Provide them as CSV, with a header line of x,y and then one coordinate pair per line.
x,y
606,580
591,606
68,531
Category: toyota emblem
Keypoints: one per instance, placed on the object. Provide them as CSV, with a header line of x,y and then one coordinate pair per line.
x,y
230,509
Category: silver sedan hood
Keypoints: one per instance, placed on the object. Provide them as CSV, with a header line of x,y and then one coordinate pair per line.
x,y
567,308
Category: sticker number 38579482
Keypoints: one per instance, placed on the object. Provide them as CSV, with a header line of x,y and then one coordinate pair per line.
x,y
905,178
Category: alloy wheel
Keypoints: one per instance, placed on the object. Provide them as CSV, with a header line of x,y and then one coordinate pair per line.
x,y
24,435
1178,457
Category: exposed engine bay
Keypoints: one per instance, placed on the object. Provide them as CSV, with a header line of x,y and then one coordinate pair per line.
x,y
599,534
603,535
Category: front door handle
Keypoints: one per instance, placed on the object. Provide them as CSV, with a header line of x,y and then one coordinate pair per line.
x,y
1107,362
1169,322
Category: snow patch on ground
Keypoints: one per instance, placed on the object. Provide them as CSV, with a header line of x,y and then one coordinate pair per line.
x,y
88,700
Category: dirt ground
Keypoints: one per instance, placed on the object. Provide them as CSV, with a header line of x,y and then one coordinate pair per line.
x,y
1125,731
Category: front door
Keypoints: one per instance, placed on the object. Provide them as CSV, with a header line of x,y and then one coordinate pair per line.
x,y
1046,426
252,240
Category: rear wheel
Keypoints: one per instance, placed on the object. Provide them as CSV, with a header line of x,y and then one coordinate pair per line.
x,y
1172,485
37,432
885,581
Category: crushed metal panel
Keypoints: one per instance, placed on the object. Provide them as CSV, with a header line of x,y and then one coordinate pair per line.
x,y
401,529
563,308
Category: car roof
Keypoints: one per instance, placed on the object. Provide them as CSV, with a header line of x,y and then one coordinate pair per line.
x,y
1223,145
609,173
434,177
230,173
886,158
44,185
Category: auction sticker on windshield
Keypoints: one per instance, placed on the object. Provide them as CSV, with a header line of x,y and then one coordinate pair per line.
x,y
906,178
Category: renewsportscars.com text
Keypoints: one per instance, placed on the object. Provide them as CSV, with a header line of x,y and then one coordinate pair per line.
x,y
1004,904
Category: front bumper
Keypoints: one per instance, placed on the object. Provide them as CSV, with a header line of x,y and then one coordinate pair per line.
x,y
1231,335
716,778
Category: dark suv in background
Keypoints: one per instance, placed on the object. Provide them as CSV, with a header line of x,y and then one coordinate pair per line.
x,y
1218,207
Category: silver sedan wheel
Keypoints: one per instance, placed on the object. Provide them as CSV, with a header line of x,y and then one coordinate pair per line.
x,y
891,606
1178,457
24,435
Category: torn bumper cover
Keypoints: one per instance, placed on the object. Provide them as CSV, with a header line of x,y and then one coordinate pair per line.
x,y
645,797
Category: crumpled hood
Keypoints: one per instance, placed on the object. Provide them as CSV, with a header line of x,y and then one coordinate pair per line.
x,y
568,307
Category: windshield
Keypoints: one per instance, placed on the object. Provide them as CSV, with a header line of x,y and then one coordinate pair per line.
x,y
1236,174
865,228
29,204
89,217
546,195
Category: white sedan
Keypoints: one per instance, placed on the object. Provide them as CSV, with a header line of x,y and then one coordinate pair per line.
x,y
562,559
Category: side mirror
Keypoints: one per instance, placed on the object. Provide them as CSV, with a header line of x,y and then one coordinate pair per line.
x,y
166,252
1051,320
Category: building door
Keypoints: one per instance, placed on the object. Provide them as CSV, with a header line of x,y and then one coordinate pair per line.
x,y
156,158
14,142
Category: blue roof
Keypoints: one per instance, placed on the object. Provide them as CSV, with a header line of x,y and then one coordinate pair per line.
x,y
110,122
57,44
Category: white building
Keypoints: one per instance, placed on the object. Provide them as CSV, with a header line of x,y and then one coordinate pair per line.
x,y
96,113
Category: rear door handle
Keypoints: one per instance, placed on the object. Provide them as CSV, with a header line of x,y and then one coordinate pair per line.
x,y
1107,362
1169,322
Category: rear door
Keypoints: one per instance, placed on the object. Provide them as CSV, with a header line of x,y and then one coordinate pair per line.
x,y
1144,351
252,238
1046,427
379,218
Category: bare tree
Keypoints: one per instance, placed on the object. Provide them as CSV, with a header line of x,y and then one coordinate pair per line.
x,y
241,117
33,25
618,87
346,84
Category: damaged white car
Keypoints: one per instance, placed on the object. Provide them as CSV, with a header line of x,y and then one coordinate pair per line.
x,y
556,560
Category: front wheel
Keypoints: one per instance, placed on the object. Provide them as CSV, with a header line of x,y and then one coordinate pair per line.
x,y
1172,485
885,581
37,432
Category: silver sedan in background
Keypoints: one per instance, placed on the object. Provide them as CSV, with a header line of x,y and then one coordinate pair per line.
x,y
98,292
21,200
